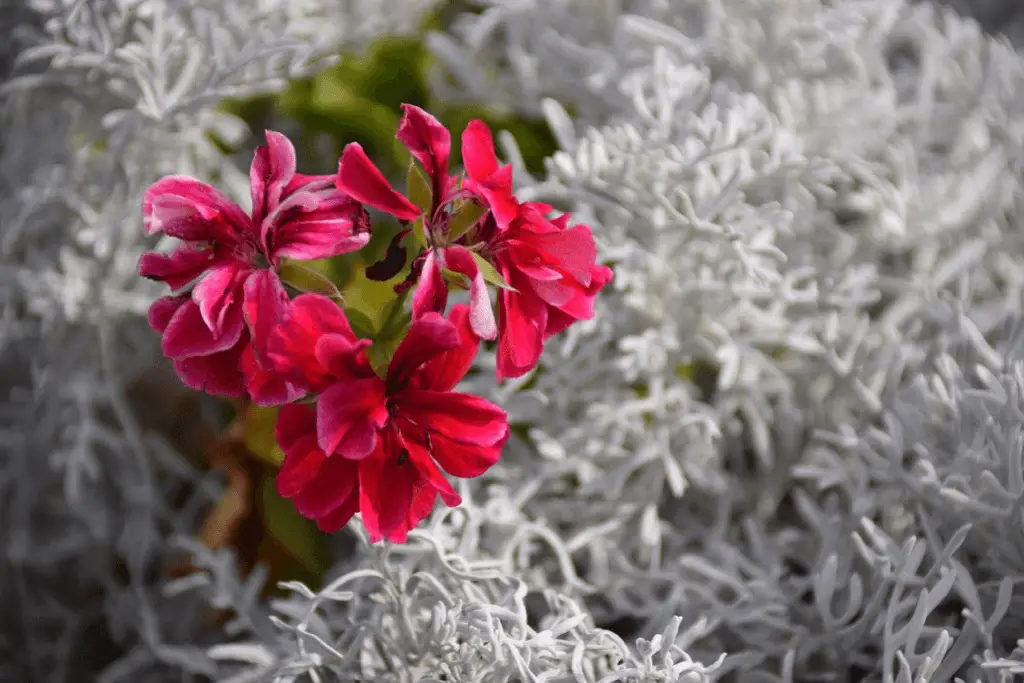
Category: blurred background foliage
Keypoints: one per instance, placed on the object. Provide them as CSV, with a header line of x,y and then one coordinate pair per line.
x,y
357,100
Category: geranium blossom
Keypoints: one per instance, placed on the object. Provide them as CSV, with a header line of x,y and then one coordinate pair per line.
x,y
549,267
232,257
379,445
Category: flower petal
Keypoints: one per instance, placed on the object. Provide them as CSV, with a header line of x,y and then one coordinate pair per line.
x,y
429,335
216,374
430,475
431,144
574,251
445,371
465,460
431,294
291,348
191,210
481,314
337,225
386,490
187,335
163,309
265,303
273,167
524,318
302,463
461,417
179,268
496,194
359,178
293,423
220,292
348,416
478,151
340,516
329,490
266,388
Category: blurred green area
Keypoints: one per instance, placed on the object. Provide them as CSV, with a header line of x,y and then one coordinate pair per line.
x,y
359,100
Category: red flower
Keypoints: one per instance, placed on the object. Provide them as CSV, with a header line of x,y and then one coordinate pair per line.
x,y
551,268
430,143
379,445
233,256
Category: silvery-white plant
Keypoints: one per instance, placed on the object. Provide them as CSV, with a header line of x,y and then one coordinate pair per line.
x,y
788,448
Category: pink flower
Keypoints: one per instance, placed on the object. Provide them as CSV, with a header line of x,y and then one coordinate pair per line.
x,y
232,258
379,445
551,268
430,143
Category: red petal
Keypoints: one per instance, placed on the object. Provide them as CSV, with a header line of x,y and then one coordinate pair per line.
x,y
163,309
329,490
429,335
292,346
360,179
496,194
191,210
386,490
216,374
524,318
574,251
273,167
220,293
478,151
293,423
445,371
431,294
265,304
465,460
264,387
428,141
481,315
302,463
187,335
348,416
337,225
177,269
461,417
335,520
429,474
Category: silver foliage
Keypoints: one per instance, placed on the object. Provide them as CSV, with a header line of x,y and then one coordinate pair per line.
x,y
788,448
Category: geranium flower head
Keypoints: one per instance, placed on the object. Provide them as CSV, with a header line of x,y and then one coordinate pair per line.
x,y
398,434
231,256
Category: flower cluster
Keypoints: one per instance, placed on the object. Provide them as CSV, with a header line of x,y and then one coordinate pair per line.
x,y
368,425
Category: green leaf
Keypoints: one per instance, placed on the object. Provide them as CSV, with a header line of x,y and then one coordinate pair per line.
x,y
361,325
419,234
297,535
381,353
455,281
259,435
417,186
306,279
491,275
464,219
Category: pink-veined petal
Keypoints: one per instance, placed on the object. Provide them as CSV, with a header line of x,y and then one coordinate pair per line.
x,y
445,371
431,293
163,309
338,225
573,249
429,335
265,303
193,211
220,292
461,417
360,179
265,387
481,314
273,167
187,335
496,194
216,374
179,268
431,144
429,473
348,416
341,515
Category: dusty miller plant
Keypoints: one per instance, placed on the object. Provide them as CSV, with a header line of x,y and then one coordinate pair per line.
x,y
788,448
